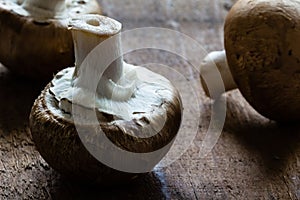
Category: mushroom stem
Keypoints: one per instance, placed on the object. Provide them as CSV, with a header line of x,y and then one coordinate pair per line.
x,y
208,74
44,8
103,72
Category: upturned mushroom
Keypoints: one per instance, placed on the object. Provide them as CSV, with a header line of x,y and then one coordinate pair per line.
x,y
34,38
263,56
90,117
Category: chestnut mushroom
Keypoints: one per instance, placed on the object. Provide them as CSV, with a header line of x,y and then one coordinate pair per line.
x,y
34,38
263,55
139,111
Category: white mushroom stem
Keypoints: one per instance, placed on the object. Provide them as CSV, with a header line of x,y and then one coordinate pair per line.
x,y
216,62
44,8
103,69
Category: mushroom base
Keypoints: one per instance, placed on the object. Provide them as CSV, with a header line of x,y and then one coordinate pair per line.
x,y
59,143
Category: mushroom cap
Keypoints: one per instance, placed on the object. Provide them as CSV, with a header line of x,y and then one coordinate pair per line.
x,y
262,46
38,48
59,143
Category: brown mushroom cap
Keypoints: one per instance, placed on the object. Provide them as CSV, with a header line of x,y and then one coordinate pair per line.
x,y
38,48
57,139
262,40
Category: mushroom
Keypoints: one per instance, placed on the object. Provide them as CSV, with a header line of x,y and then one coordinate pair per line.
x,y
34,38
263,55
136,111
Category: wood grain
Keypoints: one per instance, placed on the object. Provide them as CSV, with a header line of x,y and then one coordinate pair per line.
x,y
254,158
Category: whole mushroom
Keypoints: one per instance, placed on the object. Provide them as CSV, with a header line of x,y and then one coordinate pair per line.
x,y
135,110
263,56
34,38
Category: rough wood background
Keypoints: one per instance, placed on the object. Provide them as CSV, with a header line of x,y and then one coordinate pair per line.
x,y
254,158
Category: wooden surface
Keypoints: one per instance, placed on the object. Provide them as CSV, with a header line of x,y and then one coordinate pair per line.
x,y
254,158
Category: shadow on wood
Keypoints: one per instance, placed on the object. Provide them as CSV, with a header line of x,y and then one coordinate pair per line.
x,y
16,98
275,143
148,186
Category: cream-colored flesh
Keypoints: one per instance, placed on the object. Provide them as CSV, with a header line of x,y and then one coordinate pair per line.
x,y
216,62
150,91
101,80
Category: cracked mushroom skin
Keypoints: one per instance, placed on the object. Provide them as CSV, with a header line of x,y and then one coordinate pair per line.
x,y
263,53
138,110
34,38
